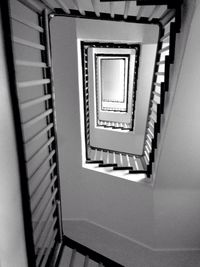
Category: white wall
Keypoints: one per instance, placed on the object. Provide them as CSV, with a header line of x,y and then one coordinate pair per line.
x,y
177,187
12,244
116,31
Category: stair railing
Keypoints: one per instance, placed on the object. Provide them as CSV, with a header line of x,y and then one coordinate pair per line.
x,y
35,96
165,57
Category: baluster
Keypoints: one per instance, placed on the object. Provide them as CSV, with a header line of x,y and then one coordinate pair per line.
x,y
151,124
128,160
136,164
101,155
148,144
95,154
114,158
112,14
63,5
149,137
95,7
147,149
147,156
77,4
140,12
107,160
121,159
126,9
156,8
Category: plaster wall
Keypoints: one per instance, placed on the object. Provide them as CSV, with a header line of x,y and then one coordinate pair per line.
x,y
177,184
12,242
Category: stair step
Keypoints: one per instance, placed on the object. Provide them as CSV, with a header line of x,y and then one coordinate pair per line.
x,y
122,168
108,165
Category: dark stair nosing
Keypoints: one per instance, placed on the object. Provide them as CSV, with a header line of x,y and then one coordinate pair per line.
x,y
108,165
94,161
118,168
115,127
137,171
122,128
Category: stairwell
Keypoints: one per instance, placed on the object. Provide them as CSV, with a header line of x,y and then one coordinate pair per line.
x,y
104,217
120,160
119,205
